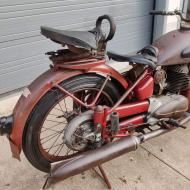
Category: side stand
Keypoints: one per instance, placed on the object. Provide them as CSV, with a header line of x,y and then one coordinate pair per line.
x,y
103,176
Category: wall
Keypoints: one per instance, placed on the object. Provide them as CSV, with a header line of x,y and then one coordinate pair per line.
x,y
164,24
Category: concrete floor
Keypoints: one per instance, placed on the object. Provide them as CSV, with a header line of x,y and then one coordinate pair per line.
x,y
160,164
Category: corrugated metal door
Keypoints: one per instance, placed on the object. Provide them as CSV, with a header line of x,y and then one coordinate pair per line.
x,y
22,47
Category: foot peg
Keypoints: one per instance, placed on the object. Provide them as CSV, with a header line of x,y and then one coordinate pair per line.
x,y
176,124
172,123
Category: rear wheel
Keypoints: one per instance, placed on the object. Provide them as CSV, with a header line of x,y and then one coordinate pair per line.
x,y
43,139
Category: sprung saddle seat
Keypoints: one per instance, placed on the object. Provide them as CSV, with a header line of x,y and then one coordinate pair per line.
x,y
82,39
88,40
146,56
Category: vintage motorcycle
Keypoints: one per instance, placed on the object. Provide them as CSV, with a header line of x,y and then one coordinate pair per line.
x,y
82,113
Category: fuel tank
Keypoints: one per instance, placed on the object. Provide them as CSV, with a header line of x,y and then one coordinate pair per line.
x,y
171,46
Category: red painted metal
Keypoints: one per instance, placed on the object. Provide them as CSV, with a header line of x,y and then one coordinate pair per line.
x,y
98,116
124,96
95,66
123,111
104,132
81,64
132,108
136,120
42,85
128,126
26,104
105,69
145,88
120,136
91,105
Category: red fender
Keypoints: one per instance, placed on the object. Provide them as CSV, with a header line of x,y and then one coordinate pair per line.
x,y
106,69
30,97
36,90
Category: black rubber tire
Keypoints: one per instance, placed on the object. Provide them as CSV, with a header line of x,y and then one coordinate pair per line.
x,y
30,136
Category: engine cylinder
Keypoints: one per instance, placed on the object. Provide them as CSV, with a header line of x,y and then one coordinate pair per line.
x,y
178,79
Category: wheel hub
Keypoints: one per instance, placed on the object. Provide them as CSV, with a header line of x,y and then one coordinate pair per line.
x,y
80,132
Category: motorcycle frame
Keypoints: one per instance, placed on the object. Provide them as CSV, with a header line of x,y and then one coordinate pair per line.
x,y
63,71
123,110
45,82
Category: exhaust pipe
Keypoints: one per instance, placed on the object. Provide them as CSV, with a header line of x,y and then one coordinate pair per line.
x,y
67,168
93,158
6,125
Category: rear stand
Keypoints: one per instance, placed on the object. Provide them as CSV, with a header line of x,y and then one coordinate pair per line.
x,y
103,176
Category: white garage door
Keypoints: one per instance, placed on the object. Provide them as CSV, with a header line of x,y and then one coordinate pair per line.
x,y
22,47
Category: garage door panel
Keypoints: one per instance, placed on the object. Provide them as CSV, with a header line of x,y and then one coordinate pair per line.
x,y
64,18
20,78
25,4
26,50
29,47
131,45
22,47
23,63
52,7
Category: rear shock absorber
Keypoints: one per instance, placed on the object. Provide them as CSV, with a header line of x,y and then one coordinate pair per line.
x,y
6,125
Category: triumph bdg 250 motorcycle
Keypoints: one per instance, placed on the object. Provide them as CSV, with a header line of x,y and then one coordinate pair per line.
x,y
82,113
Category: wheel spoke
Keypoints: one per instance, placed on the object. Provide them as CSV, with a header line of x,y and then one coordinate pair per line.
x,y
59,149
57,109
54,126
53,146
49,129
54,115
65,106
54,121
54,142
51,137
63,111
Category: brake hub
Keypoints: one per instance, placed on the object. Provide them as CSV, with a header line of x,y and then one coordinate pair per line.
x,y
80,132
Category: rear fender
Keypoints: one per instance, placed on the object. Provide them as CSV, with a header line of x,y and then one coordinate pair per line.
x,y
107,70
30,97
37,89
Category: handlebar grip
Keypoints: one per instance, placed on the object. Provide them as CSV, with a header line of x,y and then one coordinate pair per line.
x,y
112,25
156,12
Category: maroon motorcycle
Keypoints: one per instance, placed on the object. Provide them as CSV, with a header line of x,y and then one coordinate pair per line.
x,y
82,113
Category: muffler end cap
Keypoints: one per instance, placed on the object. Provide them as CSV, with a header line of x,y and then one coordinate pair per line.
x,y
6,124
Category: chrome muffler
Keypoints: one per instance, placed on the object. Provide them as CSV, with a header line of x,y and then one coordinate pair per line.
x,y
85,161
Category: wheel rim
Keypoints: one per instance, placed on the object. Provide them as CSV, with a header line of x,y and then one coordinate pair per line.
x,y
50,137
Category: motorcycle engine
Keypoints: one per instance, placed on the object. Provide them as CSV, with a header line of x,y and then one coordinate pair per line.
x,y
178,78
169,82
168,106
174,79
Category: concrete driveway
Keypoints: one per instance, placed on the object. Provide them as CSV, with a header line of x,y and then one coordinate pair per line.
x,y
160,164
